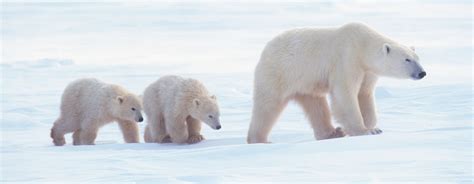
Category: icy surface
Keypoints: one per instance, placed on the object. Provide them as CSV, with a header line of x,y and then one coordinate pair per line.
x,y
427,124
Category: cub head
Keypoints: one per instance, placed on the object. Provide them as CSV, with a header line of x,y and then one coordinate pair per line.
x,y
206,110
393,60
129,108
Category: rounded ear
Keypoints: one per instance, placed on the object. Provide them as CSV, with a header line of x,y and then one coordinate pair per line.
x,y
213,97
386,48
196,102
412,48
120,99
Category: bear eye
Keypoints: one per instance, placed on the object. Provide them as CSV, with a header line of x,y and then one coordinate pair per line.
x,y
407,60
210,116
133,109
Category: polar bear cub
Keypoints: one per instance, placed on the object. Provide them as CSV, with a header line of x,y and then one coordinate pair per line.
x,y
175,107
88,104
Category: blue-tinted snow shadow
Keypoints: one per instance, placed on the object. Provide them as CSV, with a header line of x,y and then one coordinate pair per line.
x,y
112,145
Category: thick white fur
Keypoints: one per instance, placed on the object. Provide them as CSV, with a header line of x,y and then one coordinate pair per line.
x,y
88,104
175,107
306,64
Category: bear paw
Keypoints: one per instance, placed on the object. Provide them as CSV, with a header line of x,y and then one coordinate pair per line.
x,y
195,139
374,131
337,133
57,139
59,142
76,142
164,139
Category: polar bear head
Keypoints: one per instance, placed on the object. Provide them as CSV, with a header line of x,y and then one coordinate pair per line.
x,y
206,109
128,107
398,61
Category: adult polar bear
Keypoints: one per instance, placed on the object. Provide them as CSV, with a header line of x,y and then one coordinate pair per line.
x,y
306,64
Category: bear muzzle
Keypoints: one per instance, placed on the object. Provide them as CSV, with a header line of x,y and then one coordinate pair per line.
x,y
421,75
418,76
216,125
138,117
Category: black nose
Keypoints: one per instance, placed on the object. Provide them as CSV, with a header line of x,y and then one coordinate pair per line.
x,y
421,75
140,119
218,127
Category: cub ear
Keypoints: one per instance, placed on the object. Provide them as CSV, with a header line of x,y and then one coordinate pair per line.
x,y
412,48
196,102
120,99
386,48
213,97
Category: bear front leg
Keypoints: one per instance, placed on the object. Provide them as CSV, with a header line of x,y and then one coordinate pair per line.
x,y
345,108
194,130
367,102
129,131
367,108
177,129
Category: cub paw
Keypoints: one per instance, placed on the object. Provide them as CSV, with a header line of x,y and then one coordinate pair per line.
x,y
59,142
337,133
76,142
164,139
195,139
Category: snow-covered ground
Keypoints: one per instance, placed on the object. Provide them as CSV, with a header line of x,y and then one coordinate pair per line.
x,y
428,124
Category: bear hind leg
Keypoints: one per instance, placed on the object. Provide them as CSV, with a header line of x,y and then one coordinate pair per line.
x,y
155,131
177,129
318,114
264,116
346,110
58,138
61,126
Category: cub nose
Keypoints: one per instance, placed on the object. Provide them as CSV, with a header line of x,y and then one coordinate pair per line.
x,y
218,127
421,75
140,119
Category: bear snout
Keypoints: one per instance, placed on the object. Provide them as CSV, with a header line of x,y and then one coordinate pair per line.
x,y
421,75
218,127
418,76
140,119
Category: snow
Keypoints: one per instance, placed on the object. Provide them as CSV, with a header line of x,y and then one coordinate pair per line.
x,y
427,124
